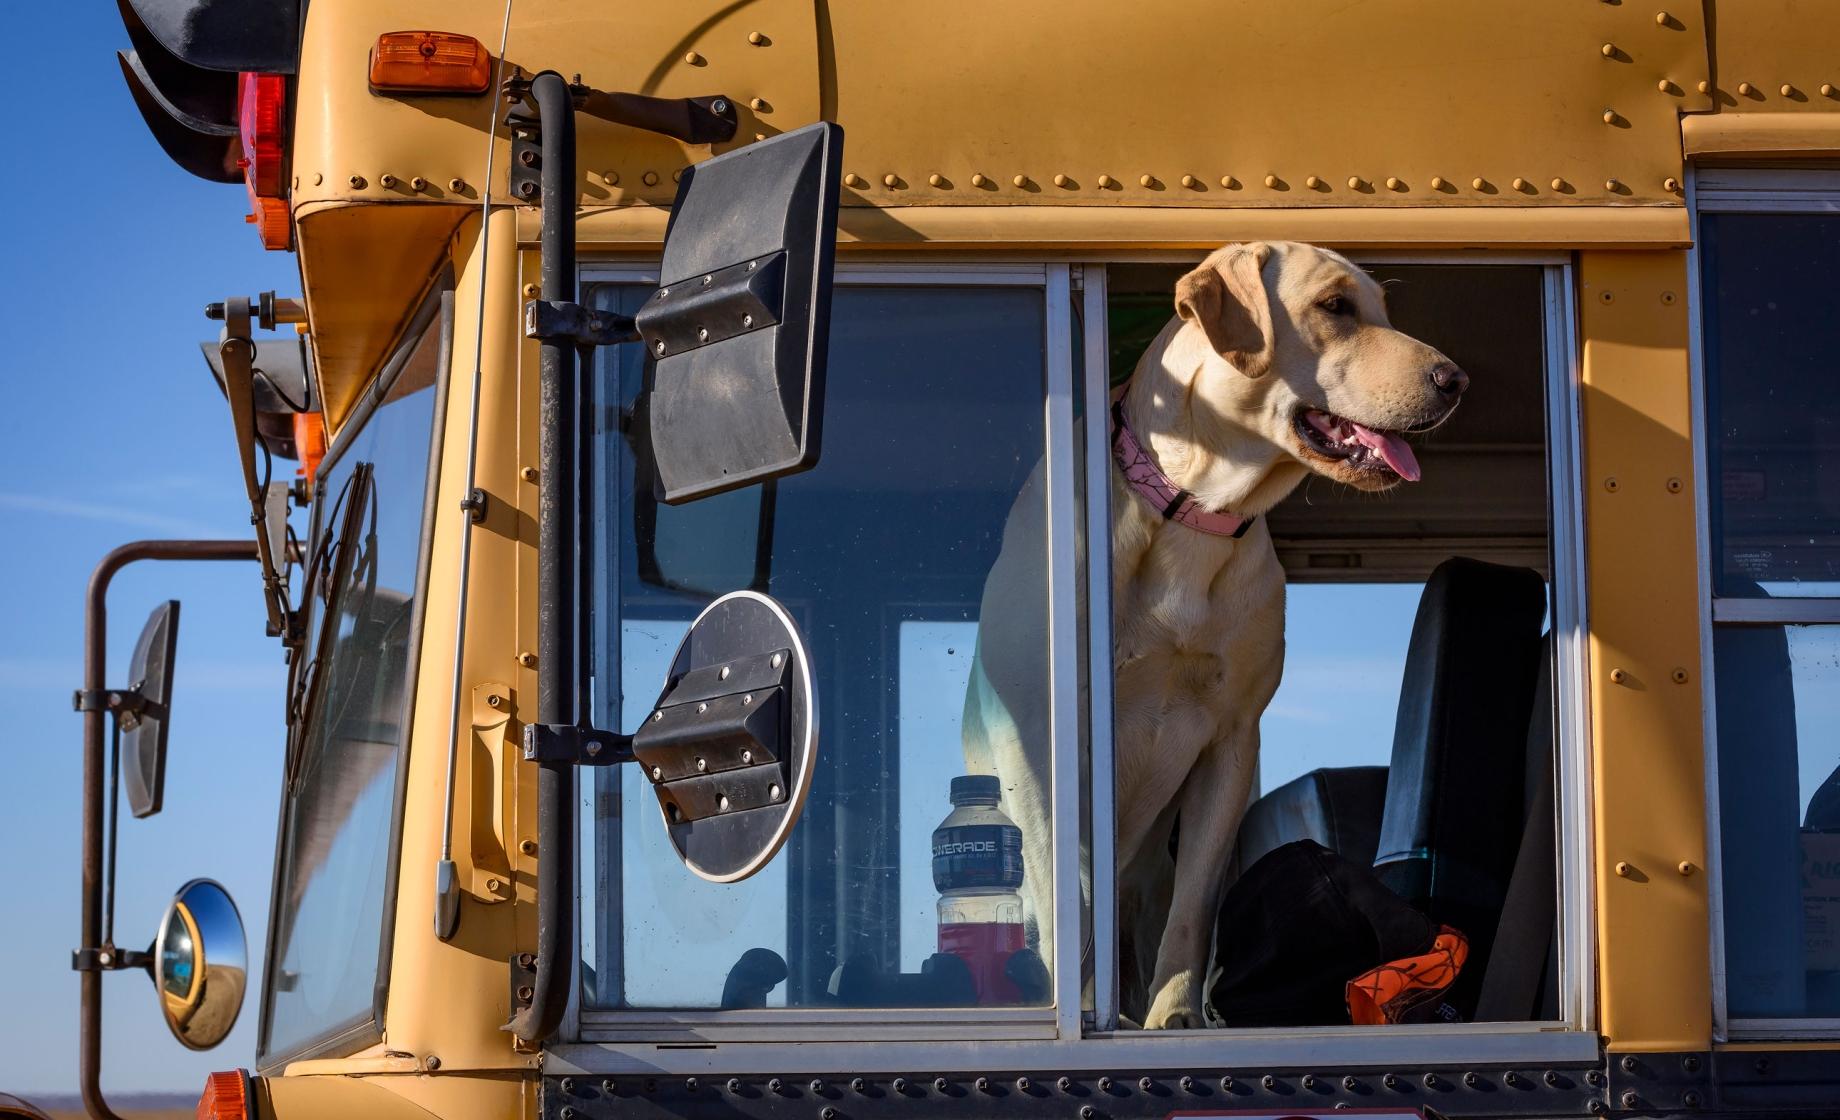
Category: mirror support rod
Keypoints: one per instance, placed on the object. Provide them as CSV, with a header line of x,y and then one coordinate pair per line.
x,y
567,332
556,584
95,667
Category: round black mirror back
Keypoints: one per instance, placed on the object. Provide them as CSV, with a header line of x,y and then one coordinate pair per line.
x,y
201,964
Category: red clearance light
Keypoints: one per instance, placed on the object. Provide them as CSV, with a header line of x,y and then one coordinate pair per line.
x,y
430,62
262,116
225,1097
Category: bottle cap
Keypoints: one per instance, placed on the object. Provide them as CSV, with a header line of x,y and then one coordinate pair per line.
x,y
970,788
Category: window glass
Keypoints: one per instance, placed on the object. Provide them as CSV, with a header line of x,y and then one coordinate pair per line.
x,y
1772,354
1779,820
329,906
934,421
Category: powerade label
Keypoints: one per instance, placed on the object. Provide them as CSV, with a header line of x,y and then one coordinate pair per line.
x,y
977,855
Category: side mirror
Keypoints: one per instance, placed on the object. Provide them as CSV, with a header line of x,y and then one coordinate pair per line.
x,y
739,331
200,964
143,728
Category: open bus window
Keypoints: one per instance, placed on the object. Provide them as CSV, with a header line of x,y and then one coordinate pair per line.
x,y
1412,733
934,420
1773,500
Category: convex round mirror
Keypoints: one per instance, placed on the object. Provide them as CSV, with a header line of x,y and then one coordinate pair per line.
x,y
201,964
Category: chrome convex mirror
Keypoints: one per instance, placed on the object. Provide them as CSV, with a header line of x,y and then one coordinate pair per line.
x,y
200,964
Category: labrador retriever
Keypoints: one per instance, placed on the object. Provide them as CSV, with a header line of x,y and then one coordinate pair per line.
x,y
1280,361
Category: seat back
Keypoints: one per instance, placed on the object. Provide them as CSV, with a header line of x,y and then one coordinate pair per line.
x,y
1455,795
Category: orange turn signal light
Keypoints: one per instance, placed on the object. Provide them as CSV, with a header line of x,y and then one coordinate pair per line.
x,y
309,442
430,62
225,1097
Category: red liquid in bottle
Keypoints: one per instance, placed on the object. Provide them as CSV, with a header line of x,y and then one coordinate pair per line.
x,y
985,947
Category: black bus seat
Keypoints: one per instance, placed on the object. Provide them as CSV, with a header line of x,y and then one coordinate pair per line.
x,y
1338,807
1452,805
1455,791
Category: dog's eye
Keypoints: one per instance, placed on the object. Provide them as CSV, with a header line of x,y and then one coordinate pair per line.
x,y
1337,305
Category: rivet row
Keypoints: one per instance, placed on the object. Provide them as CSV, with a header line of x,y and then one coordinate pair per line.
x,y
1520,184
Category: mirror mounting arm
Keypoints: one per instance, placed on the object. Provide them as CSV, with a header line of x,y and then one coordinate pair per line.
x,y
578,746
121,701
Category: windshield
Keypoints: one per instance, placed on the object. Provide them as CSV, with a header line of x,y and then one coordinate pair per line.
x,y
339,798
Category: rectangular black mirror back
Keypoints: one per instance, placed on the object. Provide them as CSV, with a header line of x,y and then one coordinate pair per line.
x,y
738,330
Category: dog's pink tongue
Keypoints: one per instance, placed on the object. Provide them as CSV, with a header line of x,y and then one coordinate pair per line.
x,y
1396,452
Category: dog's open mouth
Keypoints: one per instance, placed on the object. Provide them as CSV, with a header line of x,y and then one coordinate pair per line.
x,y
1362,447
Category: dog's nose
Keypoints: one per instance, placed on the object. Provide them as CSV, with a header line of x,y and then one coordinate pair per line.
x,y
1449,378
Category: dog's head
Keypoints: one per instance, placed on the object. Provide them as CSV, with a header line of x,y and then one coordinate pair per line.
x,y
1307,356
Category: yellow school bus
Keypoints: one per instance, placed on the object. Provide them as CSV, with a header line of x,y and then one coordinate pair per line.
x,y
1605,756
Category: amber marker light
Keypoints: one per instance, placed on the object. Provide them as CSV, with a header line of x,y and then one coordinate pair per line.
x,y
429,62
225,1097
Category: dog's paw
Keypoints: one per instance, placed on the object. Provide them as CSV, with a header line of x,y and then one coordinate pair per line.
x,y
1177,1006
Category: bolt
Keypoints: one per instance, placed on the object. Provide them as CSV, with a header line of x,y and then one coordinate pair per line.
x,y
528,157
828,1112
525,993
1744,89
702,335
1391,1081
1690,1063
1394,183
1309,1081
1609,116
1471,1080
757,38
1145,1084
612,178
1349,1083
1519,183
1622,866
1269,1082
899,1084
1511,1079
1271,181
1685,867
527,960
940,1084
1665,86
1022,1084
775,1085
1186,1083
568,1084
1629,1063
983,1084
891,180
978,180
1190,182
657,773
650,178
1146,180
1020,181
1690,1098
1594,1077
386,180
853,180
1355,182
1105,182
746,699
1105,1084
1087,1112
817,1086
935,180
1312,182
1594,1106
1670,185
1063,1083
1551,1078
418,184
495,701
693,58
609,1085
493,884
528,847
531,291
1631,1099
747,320
1226,1083
357,182
776,659
1611,484
1478,182
1558,184
1229,182
734,1085
747,757
567,1113
593,748
1437,182
1431,1081
1618,676
758,104
1762,1065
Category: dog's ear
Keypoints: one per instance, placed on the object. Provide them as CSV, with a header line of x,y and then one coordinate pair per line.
x,y
1226,298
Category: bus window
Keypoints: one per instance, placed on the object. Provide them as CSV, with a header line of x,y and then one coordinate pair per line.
x,y
1412,732
340,796
934,421
1772,496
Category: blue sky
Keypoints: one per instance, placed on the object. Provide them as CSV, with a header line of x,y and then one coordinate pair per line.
x,y
112,430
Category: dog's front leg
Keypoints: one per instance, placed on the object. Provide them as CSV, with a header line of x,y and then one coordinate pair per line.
x,y
1213,802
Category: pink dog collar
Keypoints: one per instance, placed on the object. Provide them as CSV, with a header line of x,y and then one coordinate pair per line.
x,y
1170,500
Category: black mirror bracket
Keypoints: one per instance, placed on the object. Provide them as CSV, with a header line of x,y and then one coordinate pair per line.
x,y
121,701
107,958
576,746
